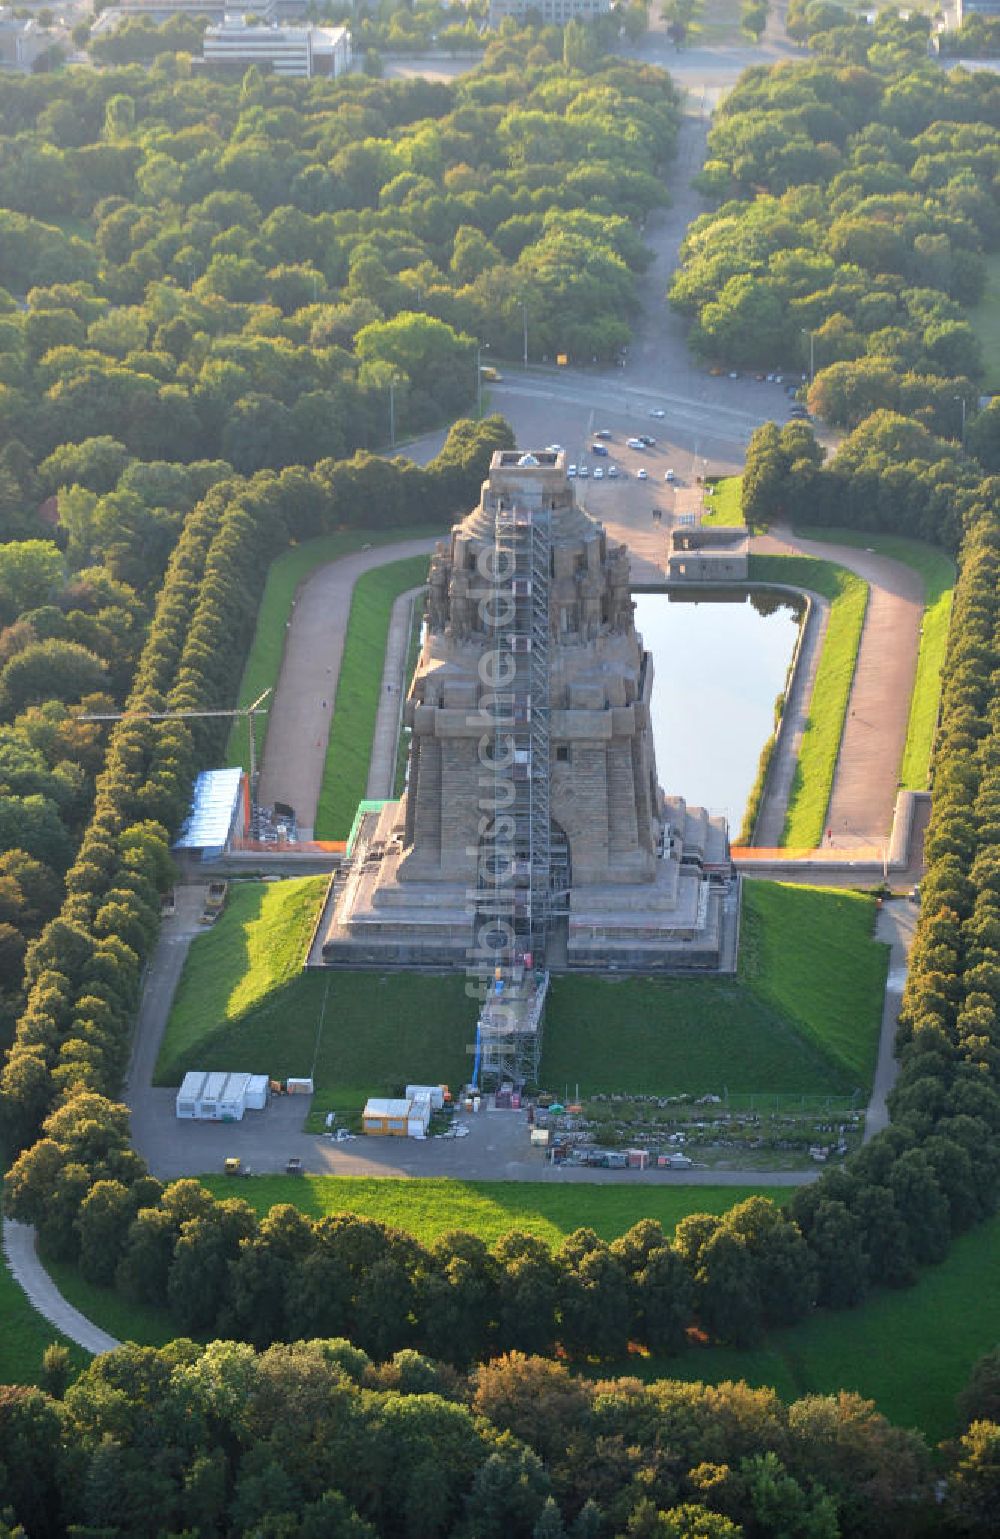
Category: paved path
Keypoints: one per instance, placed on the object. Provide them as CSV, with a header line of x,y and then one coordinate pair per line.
x,y
392,693
160,984
897,922
43,1295
304,699
871,752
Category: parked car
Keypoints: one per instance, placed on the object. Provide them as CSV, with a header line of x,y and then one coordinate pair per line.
x,y
598,473
657,411
668,475
598,448
642,474
647,440
571,472
612,472
582,472
603,433
634,443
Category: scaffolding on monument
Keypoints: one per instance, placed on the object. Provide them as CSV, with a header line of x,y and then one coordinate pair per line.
x,y
515,877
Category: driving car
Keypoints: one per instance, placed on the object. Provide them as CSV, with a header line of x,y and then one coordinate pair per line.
x,y
641,474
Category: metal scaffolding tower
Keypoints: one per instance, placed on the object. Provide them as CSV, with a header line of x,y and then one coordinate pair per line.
x,y
515,873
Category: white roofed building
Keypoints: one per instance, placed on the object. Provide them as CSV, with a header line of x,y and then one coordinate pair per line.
x,y
294,52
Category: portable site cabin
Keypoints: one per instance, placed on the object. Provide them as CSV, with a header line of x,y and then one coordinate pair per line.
x,y
436,1093
386,1119
217,1097
418,1117
258,1092
189,1094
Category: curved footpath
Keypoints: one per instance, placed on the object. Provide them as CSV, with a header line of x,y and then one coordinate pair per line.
x,y
26,1269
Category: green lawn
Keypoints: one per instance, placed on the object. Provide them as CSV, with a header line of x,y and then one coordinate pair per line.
x,y
985,322
723,507
428,1208
909,1351
144,1323
938,572
284,576
813,779
348,752
800,1019
241,969
802,1016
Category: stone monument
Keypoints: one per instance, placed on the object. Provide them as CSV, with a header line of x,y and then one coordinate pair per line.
x,y
638,881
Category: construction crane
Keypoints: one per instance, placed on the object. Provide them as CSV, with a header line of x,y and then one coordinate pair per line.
x,y
251,712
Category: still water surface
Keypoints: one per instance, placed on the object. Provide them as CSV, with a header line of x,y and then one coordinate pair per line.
x,y
718,665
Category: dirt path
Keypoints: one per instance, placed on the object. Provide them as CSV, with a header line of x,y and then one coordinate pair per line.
x,y
871,751
305,696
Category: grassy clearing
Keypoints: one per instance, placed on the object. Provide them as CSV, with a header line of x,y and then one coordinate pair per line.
x,y
801,1017
24,1335
938,573
284,576
985,322
429,1208
348,752
723,507
909,1351
813,779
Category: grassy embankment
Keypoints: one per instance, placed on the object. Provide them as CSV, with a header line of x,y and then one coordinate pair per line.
x,y
801,1018
348,751
723,507
284,576
937,571
813,779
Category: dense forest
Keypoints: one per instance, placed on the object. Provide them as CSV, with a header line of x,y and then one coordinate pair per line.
x,y
857,203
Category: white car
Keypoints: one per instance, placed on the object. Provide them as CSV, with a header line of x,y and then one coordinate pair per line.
x,y
641,474
553,448
598,473
657,411
668,475
634,443
571,472
583,472
612,472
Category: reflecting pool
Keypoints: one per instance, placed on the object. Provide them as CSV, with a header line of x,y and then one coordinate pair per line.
x,y
719,664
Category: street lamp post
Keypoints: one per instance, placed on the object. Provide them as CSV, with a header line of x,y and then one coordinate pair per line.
x,y
812,352
961,400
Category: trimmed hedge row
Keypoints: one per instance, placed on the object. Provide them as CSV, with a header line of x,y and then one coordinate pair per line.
x,y
83,973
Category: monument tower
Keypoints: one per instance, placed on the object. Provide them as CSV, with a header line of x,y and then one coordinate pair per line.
x,y
533,828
